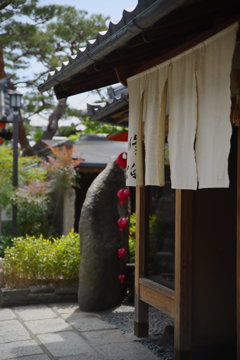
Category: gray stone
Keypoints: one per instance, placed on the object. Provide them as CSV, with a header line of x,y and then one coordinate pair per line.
x,y
65,344
12,330
78,314
15,350
87,356
126,351
67,308
86,323
15,292
106,337
99,287
37,312
39,289
7,314
46,326
13,297
66,291
19,297
35,357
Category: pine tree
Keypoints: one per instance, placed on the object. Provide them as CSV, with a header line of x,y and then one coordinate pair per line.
x,y
39,39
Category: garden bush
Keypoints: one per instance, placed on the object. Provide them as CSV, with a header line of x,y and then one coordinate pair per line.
x,y
34,261
132,234
131,238
5,241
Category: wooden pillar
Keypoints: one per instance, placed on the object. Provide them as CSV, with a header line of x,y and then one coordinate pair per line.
x,y
183,275
141,308
238,247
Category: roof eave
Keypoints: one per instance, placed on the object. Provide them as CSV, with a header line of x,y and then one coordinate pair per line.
x,y
143,19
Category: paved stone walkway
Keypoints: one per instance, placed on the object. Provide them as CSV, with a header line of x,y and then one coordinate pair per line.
x,y
62,331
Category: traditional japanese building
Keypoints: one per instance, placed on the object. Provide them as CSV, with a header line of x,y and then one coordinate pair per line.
x,y
181,62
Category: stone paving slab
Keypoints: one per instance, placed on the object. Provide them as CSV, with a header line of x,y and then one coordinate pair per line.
x,y
16,349
96,356
47,326
66,308
63,332
12,330
80,315
87,323
35,357
106,337
35,312
65,344
7,314
126,351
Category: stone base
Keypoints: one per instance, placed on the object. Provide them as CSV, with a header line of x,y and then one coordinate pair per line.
x,y
36,295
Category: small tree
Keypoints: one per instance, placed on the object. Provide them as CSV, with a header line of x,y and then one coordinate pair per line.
x,y
38,197
26,174
61,168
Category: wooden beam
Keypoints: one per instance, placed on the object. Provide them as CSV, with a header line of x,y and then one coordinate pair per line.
x,y
157,296
121,74
183,275
184,46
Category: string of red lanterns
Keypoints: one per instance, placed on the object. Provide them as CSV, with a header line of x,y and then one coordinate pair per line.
x,y
122,194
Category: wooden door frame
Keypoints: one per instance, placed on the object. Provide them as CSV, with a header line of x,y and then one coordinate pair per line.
x,y
177,303
183,274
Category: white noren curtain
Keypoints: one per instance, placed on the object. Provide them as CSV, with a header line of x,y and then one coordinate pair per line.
x,y
196,84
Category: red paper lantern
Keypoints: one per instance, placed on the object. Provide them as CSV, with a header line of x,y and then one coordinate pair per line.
x,y
123,194
121,278
122,160
121,252
122,222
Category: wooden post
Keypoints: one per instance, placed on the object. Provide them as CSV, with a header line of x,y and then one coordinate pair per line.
x,y
183,275
238,247
141,308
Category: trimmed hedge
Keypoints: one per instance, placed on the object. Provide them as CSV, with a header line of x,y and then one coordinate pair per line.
x,y
32,260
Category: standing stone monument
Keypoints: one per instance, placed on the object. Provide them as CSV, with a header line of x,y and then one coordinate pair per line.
x,y
99,286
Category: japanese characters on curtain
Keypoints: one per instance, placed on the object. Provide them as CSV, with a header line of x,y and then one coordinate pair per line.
x,y
147,96
197,86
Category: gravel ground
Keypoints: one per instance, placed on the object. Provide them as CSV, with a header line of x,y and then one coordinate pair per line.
x,y
160,340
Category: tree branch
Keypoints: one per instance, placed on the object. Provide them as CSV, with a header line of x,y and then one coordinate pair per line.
x,y
51,129
4,4
32,82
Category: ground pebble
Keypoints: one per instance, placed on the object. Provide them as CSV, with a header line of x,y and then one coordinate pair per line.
x,y
123,318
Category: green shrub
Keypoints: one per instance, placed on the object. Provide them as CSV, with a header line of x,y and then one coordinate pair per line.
x,y
5,241
32,261
34,211
131,238
132,234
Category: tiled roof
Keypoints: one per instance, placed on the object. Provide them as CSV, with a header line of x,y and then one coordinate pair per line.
x,y
96,150
107,111
132,23
153,32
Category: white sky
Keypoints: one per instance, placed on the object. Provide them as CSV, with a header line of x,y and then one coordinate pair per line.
x,y
112,8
